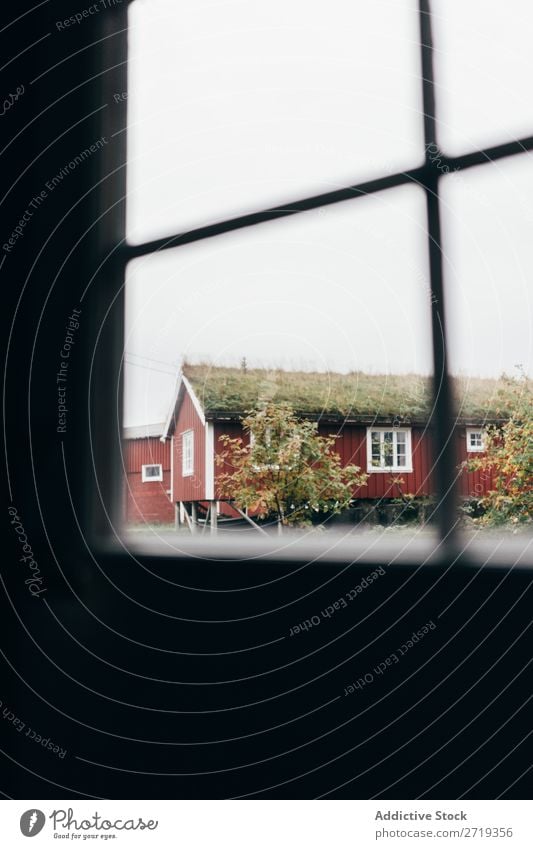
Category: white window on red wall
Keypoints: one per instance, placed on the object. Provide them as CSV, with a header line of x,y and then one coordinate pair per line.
x,y
152,473
187,453
389,449
475,439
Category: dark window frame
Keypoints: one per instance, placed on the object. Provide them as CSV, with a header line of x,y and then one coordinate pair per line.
x,y
119,252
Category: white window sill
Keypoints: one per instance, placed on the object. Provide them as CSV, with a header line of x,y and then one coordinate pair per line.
x,y
389,470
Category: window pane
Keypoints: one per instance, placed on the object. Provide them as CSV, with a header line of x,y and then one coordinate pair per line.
x,y
484,66
488,272
240,105
328,310
187,453
299,294
387,453
488,221
376,449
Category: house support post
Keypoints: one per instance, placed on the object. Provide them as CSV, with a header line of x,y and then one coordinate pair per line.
x,y
184,513
213,516
250,521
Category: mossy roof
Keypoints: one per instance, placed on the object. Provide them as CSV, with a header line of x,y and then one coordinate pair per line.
x,y
356,395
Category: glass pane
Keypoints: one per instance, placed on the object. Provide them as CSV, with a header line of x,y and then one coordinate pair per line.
x,y
376,449
328,311
488,221
400,437
387,453
298,294
484,66
241,105
487,226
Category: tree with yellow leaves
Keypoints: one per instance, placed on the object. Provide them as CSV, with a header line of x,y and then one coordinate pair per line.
x,y
285,470
508,456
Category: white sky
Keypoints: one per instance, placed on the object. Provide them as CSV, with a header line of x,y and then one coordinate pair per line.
x,y
235,106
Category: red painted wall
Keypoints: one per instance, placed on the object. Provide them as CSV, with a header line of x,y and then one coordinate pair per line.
x,y
234,430
146,502
352,449
149,502
192,487
471,484
351,445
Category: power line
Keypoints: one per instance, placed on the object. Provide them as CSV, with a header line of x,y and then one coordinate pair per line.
x,y
152,360
150,368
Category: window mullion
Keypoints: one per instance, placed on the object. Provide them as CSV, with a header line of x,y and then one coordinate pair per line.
x,y
442,423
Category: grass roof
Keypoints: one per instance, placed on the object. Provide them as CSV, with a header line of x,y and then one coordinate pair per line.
x,y
235,390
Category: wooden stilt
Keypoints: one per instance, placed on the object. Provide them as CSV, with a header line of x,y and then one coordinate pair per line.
x,y
188,520
250,521
213,516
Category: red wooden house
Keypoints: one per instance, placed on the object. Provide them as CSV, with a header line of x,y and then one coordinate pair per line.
x,y
380,423
147,481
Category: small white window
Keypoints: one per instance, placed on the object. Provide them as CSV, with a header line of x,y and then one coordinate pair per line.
x,y
268,437
389,449
187,453
268,440
152,473
475,440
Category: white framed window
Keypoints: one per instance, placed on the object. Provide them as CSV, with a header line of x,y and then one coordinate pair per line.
x,y
475,439
268,440
187,453
151,473
389,449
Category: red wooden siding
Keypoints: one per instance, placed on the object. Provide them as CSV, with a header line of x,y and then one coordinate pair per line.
x,y
234,430
351,445
191,487
470,484
145,451
149,501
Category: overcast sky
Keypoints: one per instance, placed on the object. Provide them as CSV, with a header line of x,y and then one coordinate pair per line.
x,y
235,106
